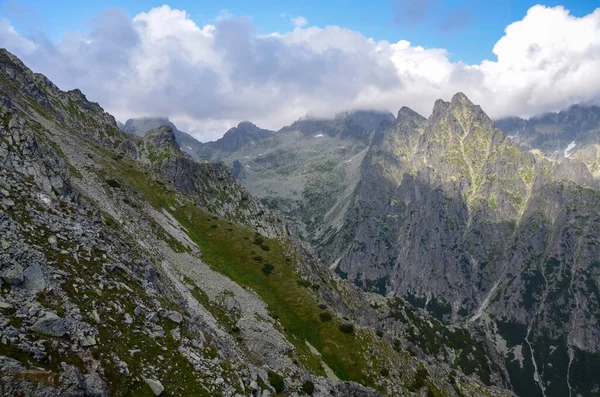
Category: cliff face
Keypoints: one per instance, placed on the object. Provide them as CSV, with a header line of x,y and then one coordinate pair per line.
x,y
128,268
457,218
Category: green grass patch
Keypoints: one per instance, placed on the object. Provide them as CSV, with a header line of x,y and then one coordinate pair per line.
x,y
233,251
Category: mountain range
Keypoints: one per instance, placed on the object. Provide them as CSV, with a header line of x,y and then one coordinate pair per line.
x,y
367,254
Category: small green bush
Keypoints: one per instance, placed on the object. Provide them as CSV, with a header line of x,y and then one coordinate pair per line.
x,y
276,381
379,333
347,328
267,269
265,247
308,387
113,183
385,372
325,317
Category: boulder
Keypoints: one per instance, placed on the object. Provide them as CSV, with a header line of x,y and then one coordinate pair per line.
x,y
155,385
175,316
95,386
50,324
12,274
34,278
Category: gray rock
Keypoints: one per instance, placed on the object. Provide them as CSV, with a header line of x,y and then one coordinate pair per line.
x,y
12,274
155,385
175,316
50,324
95,386
5,306
34,278
87,341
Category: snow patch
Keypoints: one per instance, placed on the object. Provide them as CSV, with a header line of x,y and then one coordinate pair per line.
x,y
569,148
318,135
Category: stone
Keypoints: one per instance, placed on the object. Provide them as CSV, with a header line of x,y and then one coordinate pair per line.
x,y
137,311
128,319
12,274
95,386
50,324
52,241
5,306
5,244
219,381
155,385
34,278
87,341
175,316
7,203
4,192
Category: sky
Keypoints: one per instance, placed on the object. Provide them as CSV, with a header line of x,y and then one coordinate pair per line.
x,y
209,65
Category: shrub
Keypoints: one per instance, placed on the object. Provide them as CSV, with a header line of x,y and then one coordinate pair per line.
x,y
347,328
322,306
325,316
385,372
267,269
379,333
265,247
258,240
276,381
303,283
308,387
113,183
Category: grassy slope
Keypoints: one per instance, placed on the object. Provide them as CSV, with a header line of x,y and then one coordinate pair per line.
x,y
230,249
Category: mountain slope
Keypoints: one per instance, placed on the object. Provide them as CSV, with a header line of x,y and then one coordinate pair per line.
x,y
128,268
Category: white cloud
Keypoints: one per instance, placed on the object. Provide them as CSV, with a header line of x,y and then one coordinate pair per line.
x,y
208,78
299,21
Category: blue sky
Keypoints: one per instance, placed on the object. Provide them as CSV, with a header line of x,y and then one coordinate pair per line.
x,y
209,65
476,24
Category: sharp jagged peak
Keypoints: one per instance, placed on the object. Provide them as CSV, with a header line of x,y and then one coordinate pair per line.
x,y
462,109
406,113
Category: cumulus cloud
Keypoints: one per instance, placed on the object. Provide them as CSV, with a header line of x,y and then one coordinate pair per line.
x,y
299,21
207,78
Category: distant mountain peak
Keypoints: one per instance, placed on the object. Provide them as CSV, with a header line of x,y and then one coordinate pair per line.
x,y
407,113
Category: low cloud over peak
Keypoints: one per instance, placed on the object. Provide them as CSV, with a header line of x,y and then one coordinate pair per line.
x,y
207,78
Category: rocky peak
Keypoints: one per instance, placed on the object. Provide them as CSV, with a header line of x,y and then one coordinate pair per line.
x,y
407,113
162,138
237,137
141,126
